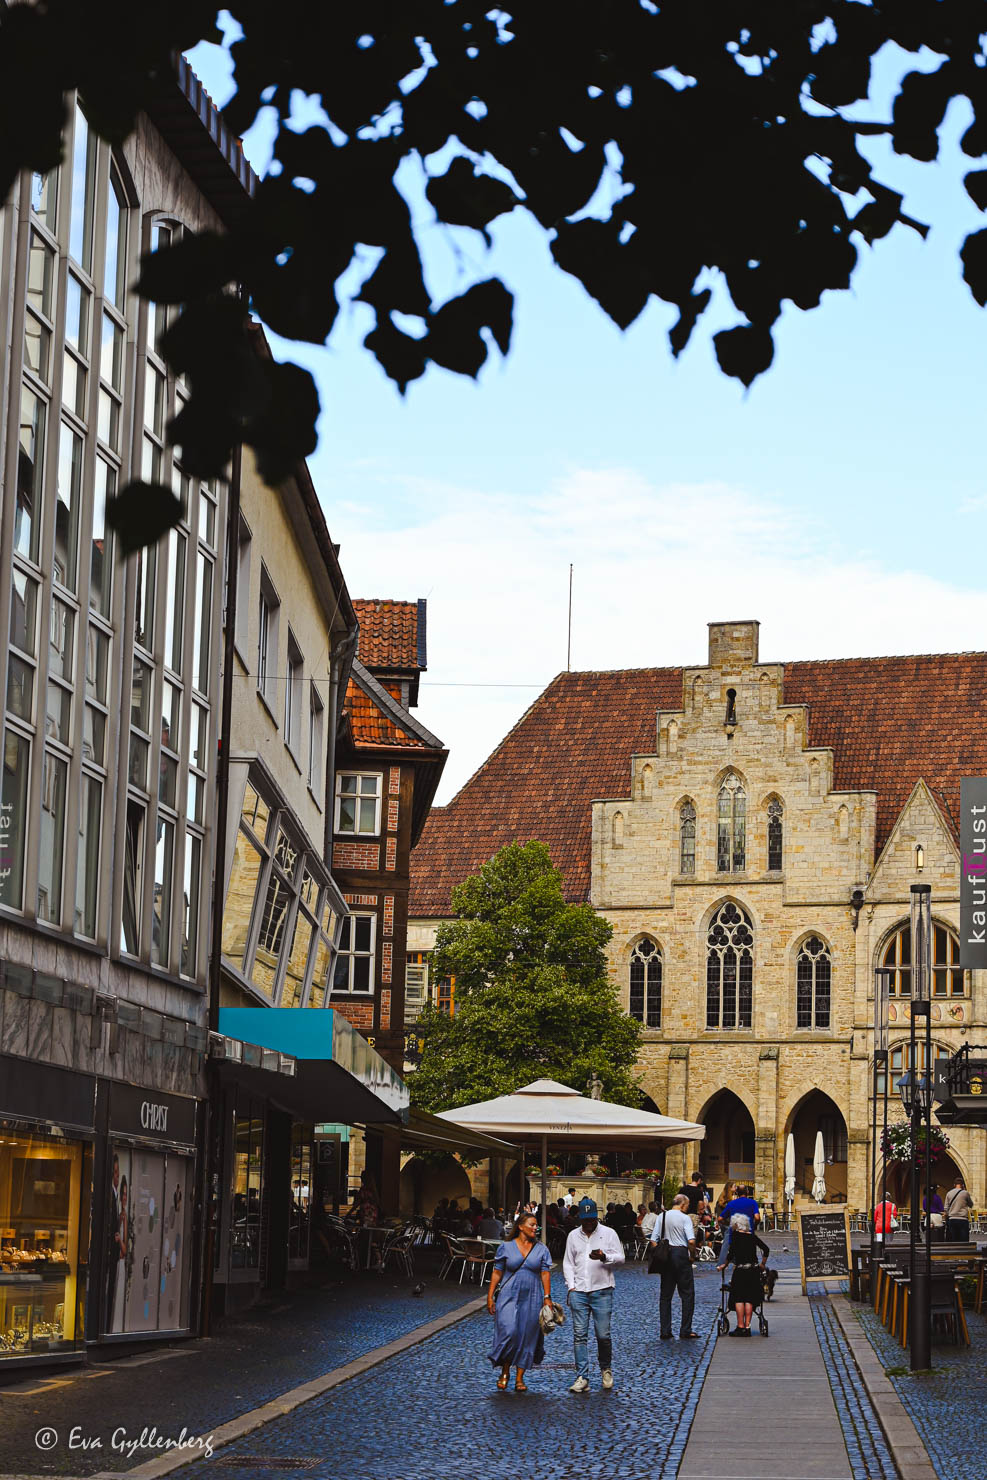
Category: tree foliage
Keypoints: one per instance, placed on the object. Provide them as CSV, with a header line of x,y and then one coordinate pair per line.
x,y
727,136
533,999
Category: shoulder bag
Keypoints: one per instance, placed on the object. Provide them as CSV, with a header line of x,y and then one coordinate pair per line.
x,y
661,1259
504,1283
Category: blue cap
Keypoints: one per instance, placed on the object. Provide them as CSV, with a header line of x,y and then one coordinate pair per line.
x,y
587,1208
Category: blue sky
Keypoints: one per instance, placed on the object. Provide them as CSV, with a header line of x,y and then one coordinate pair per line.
x,y
841,501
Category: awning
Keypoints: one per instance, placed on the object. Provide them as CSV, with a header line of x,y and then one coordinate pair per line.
x,y
311,1063
426,1132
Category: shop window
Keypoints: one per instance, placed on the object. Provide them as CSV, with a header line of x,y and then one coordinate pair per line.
x,y
42,1267
248,1181
148,1242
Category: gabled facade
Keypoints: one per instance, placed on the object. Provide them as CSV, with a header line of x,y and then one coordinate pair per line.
x,y
751,831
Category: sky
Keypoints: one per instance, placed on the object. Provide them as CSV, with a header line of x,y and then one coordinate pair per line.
x,y
841,501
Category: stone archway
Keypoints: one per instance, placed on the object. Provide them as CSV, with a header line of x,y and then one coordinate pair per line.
x,y
727,1151
817,1112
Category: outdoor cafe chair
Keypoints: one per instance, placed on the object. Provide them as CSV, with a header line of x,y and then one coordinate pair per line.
x,y
343,1236
454,1253
947,1306
399,1245
478,1257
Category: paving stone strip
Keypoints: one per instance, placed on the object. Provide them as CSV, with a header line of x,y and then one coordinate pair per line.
x,y
903,1438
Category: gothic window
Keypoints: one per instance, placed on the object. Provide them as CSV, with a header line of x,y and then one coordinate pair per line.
x,y
813,980
731,827
948,978
687,838
645,974
730,969
775,813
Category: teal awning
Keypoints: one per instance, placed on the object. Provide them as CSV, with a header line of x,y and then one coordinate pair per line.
x,y
338,1076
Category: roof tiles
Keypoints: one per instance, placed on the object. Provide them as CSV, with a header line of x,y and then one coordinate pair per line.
x,y
389,634
889,722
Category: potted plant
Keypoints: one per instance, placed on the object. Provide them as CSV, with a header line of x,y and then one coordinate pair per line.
x,y
896,1144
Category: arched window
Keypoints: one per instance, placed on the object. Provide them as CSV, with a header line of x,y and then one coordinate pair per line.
x,y
899,1063
731,827
730,969
775,852
948,979
687,838
645,997
813,980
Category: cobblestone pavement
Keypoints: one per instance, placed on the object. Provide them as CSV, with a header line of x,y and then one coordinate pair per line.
x,y
406,1419
946,1406
295,1336
868,1452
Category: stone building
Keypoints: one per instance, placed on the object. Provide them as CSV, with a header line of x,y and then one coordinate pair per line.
x,y
751,831
110,676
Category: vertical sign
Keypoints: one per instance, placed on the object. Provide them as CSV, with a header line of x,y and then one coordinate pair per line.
x,y
973,873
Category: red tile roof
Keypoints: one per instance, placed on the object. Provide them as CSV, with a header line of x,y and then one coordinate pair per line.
x,y
370,726
389,635
889,722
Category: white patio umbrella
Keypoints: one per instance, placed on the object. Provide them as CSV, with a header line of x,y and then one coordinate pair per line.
x,y
790,1174
819,1170
547,1111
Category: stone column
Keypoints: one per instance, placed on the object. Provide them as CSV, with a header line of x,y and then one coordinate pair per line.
x,y
677,1157
766,1127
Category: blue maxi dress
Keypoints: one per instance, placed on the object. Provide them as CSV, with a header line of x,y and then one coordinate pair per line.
x,y
518,1340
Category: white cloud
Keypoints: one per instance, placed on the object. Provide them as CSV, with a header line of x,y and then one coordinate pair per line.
x,y
652,565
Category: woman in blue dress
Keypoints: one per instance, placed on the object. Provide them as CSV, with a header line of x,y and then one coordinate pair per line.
x,y
521,1270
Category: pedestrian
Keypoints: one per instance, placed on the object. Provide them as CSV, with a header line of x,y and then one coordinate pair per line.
x,y
649,1219
746,1286
885,1221
693,1192
956,1209
591,1252
934,1215
570,1197
676,1225
741,1204
521,1272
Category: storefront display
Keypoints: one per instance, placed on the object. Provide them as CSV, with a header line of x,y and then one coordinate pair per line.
x,y
42,1265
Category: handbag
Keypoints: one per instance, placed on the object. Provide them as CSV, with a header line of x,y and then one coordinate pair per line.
x,y
661,1259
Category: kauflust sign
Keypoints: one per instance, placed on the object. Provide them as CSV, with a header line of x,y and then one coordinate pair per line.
x,y
973,874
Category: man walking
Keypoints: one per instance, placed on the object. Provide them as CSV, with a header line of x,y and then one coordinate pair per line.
x,y
696,1198
676,1226
591,1252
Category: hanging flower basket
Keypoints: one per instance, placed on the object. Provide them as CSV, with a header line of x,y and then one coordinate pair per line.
x,y
896,1144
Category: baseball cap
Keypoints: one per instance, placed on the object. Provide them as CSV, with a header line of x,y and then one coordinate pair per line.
x,y
587,1208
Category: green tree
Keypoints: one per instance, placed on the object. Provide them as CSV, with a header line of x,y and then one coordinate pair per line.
x,y
533,999
726,139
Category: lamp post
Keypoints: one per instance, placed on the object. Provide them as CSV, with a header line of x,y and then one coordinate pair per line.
x,y
882,991
916,1097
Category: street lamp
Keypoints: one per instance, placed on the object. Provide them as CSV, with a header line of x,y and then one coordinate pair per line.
x,y
882,992
916,1097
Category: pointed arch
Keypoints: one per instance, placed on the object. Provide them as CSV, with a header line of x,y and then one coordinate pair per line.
x,y
790,732
687,836
731,824
673,737
645,971
843,823
698,691
774,809
730,969
815,777
617,830
766,687
646,781
813,982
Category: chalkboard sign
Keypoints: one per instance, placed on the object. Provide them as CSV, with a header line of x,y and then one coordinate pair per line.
x,y
824,1244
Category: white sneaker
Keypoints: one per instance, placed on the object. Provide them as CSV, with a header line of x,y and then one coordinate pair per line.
x,y
580,1385
607,1379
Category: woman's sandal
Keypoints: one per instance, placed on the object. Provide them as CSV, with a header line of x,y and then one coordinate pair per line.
x,y
520,1387
502,1380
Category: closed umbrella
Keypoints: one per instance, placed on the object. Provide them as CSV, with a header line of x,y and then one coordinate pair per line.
x,y
819,1170
547,1111
790,1173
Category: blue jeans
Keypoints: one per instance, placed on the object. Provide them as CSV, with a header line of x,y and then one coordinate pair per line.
x,y
599,1304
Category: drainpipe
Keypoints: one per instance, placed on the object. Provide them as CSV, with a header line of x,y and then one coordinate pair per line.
x,y
343,653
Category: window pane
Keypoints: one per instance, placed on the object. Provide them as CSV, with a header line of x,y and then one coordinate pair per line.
x,y
154,401
140,696
74,381
370,785
151,462
244,874
320,973
100,563
270,939
363,931
77,315
37,347
115,270
54,783
93,735
171,715
348,783
87,881
58,720
24,613
200,747
203,622
195,797
30,472
361,973
68,506
13,814
20,689
111,353
368,815
167,779
40,273
97,662
347,815
144,612
175,600
61,639
164,857
83,173
294,980
133,877
137,763
44,197
207,519
108,420
190,904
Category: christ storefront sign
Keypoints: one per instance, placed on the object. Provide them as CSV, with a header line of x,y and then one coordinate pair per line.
x,y
973,873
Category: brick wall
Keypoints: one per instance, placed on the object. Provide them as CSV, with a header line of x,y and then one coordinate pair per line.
x,y
360,1014
365,856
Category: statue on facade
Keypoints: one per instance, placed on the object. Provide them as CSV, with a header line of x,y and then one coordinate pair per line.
x,y
595,1086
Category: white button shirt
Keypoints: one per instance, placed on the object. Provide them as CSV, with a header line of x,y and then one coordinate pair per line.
x,y
583,1273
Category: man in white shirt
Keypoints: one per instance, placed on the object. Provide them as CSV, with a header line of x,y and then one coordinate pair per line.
x,y
676,1225
591,1251
570,1198
649,1219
